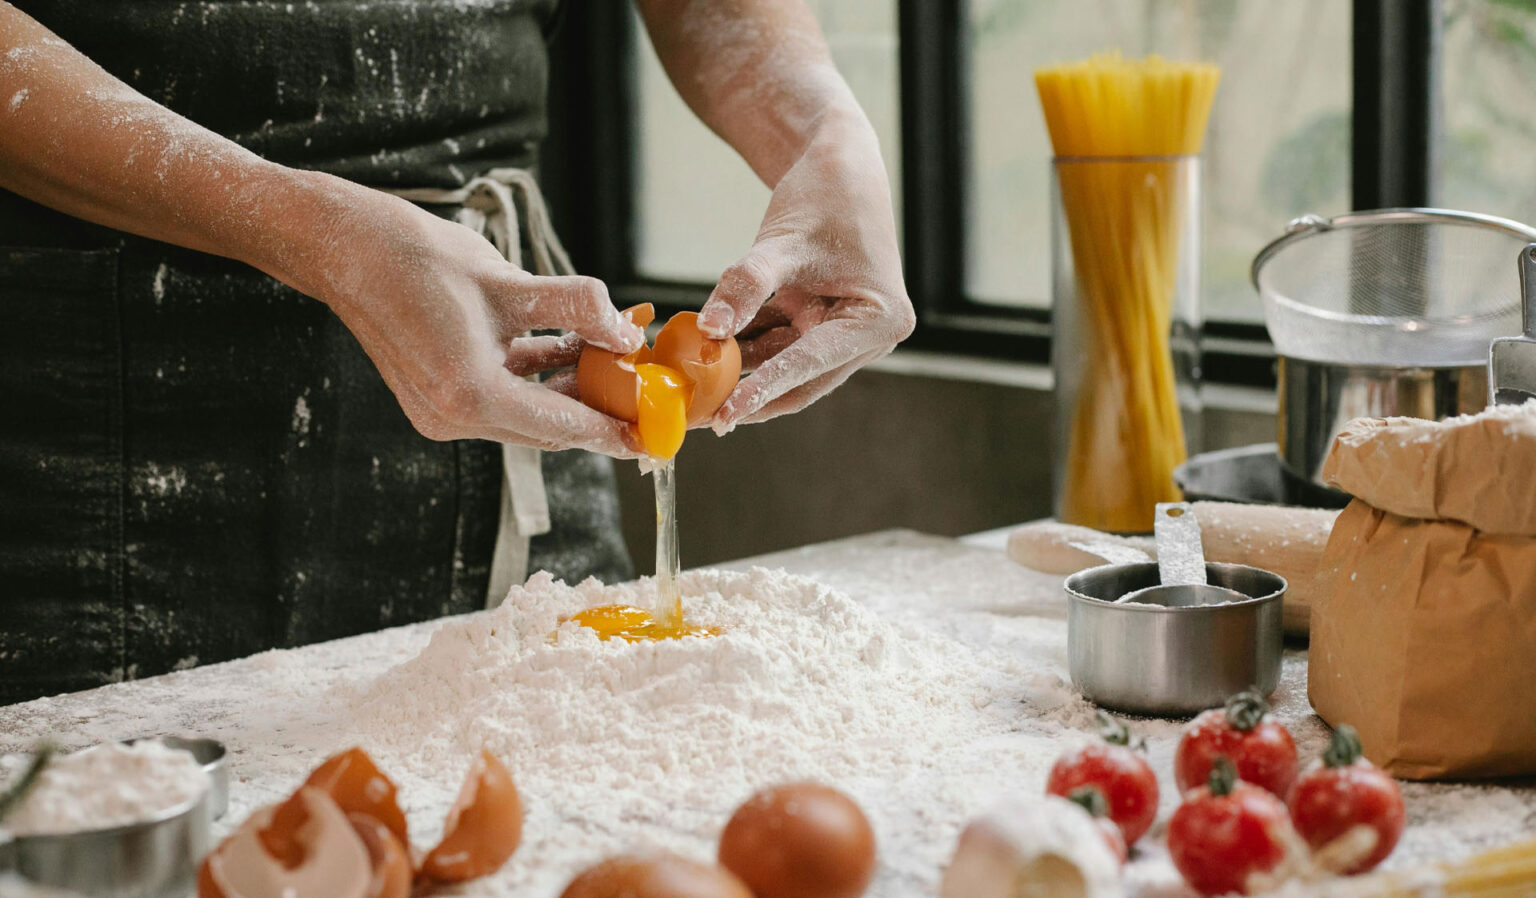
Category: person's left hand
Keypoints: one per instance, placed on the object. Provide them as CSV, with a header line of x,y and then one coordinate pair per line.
x,y
820,292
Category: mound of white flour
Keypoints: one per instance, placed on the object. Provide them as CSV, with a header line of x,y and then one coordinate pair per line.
x,y
617,746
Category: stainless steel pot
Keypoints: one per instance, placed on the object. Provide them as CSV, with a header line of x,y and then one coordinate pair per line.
x,y
1318,398
1172,661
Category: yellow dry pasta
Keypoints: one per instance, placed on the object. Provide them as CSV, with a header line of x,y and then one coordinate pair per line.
x,y
1125,431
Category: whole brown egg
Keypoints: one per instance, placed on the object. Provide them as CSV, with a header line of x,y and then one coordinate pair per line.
x,y
800,840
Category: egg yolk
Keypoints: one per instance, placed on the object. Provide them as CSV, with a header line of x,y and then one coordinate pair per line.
x,y
663,408
633,624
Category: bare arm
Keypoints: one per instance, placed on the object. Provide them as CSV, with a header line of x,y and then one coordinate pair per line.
x,y
435,306
78,140
757,72
820,291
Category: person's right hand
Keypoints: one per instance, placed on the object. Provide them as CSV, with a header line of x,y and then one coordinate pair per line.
x,y
440,313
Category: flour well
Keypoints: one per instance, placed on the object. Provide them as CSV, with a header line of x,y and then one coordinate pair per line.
x,y
618,746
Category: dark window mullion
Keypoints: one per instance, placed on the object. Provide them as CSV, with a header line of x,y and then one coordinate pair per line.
x,y
933,130
1396,102
589,160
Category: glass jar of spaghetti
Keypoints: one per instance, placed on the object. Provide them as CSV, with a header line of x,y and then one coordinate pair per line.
x,y
1125,345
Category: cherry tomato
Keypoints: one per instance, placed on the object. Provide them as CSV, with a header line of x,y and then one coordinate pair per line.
x,y
1092,800
1226,832
1343,792
1120,772
1262,750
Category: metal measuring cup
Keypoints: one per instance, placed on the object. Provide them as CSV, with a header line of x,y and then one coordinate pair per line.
x,y
1138,644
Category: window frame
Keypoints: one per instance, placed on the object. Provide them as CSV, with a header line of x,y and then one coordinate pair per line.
x,y
589,167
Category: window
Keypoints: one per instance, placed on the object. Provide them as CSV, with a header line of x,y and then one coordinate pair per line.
x,y
1324,106
1486,163
1277,145
693,220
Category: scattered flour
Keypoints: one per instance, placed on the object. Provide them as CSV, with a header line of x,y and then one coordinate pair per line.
x,y
618,746
18,98
103,786
924,678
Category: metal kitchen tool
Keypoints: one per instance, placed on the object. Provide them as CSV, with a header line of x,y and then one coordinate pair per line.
x,y
1381,313
1181,578
1512,360
1167,660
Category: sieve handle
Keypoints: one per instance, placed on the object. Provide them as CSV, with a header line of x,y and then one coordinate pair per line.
x,y
1528,290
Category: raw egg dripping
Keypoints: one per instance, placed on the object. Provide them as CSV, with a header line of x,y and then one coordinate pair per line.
x,y
662,391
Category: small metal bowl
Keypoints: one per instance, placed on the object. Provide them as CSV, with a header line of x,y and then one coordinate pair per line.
x,y
1164,661
154,858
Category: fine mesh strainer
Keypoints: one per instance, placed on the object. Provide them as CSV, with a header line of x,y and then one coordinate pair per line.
x,y
1392,287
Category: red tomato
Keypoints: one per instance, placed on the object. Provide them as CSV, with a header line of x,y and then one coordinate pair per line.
x,y
1226,832
1343,792
1092,800
1121,774
1262,749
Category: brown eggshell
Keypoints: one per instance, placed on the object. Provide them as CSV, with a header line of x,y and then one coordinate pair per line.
x,y
391,862
606,380
304,847
483,828
358,786
801,840
655,876
714,366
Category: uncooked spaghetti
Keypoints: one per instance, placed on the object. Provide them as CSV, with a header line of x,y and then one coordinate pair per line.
x,y
1141,117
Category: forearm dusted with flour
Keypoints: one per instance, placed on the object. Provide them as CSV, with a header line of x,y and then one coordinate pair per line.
x,y
757,72
76,139
435,306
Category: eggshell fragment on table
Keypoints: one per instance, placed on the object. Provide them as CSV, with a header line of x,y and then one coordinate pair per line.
x,y
483,827
392,873
304,847
357,785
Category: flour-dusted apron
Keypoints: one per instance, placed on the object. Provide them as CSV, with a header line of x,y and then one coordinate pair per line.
x,y
198,463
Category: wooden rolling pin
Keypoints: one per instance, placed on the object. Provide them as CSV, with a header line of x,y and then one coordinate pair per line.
x,y
1288,541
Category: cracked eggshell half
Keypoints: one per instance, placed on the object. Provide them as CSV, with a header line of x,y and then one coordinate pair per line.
x,y
483,828
714,366
607,380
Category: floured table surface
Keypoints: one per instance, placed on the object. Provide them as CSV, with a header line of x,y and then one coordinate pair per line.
x,y
996,630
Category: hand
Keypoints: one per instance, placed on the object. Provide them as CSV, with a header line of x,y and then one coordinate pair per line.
x,y
820,292
440,313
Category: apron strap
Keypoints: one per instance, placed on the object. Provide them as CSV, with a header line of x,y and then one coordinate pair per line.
x,y
488,206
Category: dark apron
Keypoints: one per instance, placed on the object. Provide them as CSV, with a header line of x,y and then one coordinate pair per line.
x,y
198,463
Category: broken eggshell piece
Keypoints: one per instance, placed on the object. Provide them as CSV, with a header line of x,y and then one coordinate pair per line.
x,y
358,786
483,827
607,380
712,366
304,847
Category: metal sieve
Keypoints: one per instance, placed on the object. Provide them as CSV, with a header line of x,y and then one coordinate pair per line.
x,y
1400,287
1381,313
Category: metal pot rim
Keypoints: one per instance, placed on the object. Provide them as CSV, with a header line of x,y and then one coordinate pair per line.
x,y
1075,594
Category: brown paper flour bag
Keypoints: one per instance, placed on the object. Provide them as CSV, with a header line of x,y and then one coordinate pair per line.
x,y
1424,640
1475,469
